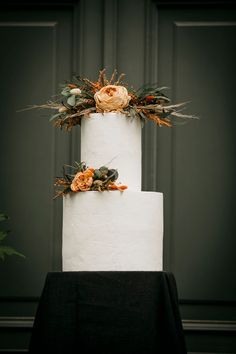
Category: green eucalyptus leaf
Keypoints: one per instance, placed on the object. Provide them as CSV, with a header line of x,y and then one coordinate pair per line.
x,y
54,116
3,217
3,234
103,170
71,100
164,98
97,174
98,182
142,115
81,166
133,113
9,251
66,91
112,174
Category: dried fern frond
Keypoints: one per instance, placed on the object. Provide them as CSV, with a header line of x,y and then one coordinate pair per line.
x,y
84,112
113,76
50,105
118,82
102,80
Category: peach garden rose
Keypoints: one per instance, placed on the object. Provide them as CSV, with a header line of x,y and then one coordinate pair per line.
x,y
82,181
111,98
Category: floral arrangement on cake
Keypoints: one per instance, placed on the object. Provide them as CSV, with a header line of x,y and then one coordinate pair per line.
x,y
84,178
81,97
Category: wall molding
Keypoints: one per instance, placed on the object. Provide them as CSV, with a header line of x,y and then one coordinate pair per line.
x,y
16,321
209,325
195,2
188,325
150,69
110,35
3,351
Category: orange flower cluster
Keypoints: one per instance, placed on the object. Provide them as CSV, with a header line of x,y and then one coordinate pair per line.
x,y
83,181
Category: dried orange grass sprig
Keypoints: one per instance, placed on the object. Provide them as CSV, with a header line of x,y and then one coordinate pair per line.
x,y
165,122
114,187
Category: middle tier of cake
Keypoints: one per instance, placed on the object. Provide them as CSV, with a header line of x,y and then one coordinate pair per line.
x,y
113,231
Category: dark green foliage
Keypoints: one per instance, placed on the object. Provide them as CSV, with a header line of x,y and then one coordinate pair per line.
x,y
6,250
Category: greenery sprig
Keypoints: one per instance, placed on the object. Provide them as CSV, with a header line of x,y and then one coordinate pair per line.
x,y
6,250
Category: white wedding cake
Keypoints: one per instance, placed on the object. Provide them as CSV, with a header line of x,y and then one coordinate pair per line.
x,y
106,226
113,230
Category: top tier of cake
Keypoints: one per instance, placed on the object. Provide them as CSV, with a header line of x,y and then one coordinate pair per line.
x,y
113,140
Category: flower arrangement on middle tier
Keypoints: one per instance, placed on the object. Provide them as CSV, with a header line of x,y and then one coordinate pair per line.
x,y
84,178
80,97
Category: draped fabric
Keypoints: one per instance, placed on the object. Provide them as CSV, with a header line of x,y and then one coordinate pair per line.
x,y
108,313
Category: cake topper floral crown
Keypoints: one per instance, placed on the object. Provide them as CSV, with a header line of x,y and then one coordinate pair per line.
x,y
80,97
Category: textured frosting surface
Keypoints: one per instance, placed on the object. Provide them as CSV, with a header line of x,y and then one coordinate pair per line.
x,y
113,140
113,231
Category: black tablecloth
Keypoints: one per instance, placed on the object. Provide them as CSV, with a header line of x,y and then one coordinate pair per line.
x,y
108,313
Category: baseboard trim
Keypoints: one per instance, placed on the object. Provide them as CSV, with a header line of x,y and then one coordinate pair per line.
x,y
12,351
188,325
209,325
15,351
16,322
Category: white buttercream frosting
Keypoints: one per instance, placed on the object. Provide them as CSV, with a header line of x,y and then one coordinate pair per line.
x,y
113,231
114,140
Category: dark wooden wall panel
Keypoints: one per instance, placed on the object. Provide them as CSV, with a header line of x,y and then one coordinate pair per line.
x,y
200,64
29,48
204,160
29,75
36,55
195,169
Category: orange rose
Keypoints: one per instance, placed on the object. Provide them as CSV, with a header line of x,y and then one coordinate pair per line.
x,y
82,181
111,98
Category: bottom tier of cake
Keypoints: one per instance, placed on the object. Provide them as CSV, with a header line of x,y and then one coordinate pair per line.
x,y
105,231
